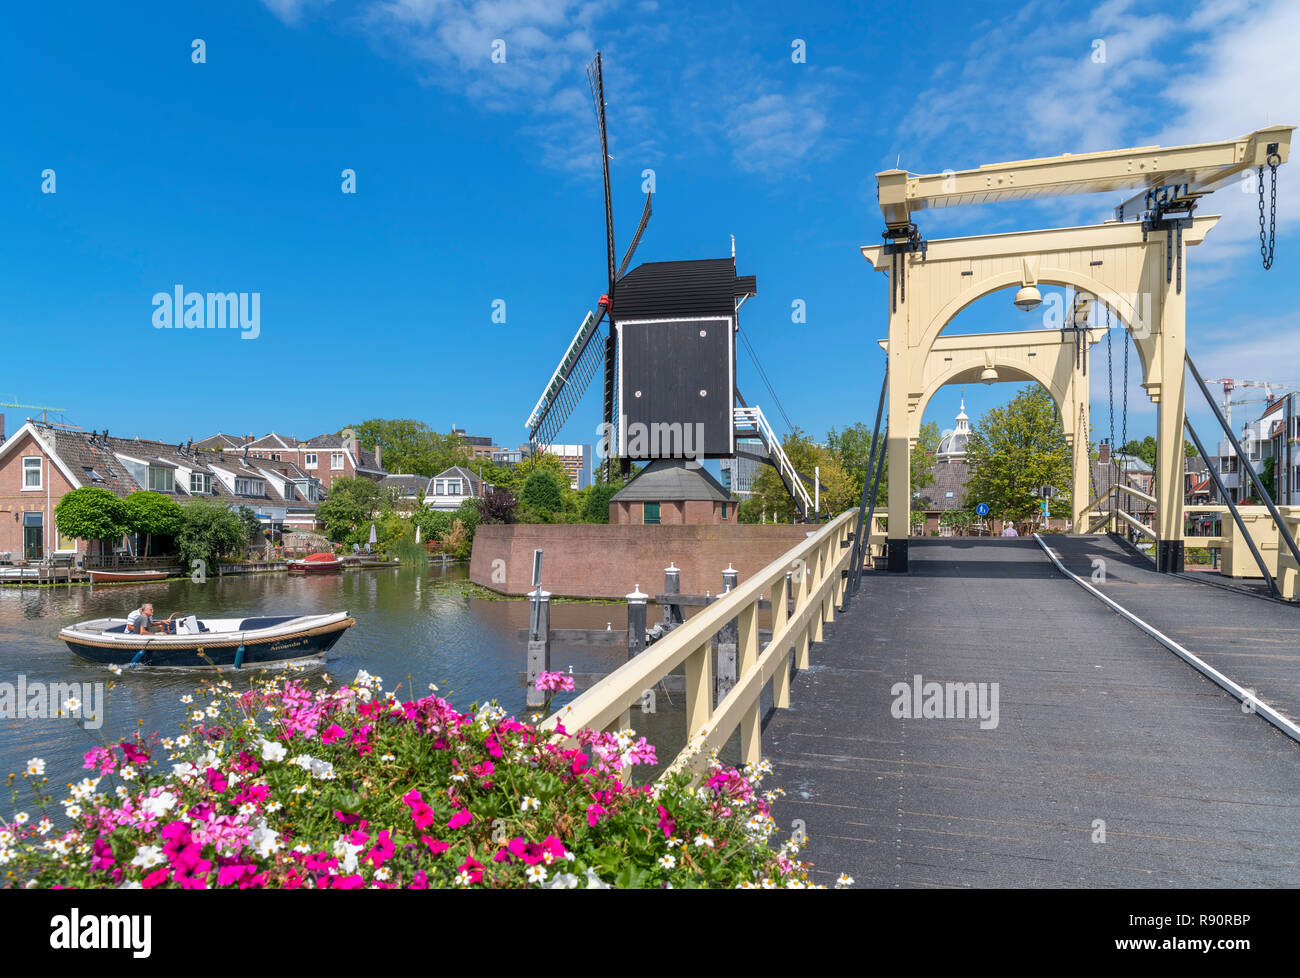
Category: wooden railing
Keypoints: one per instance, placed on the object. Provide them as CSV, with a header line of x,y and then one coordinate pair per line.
x,y
813,571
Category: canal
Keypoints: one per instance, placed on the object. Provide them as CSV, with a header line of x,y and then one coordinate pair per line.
x,y
415,626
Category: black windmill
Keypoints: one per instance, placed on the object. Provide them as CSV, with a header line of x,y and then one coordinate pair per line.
x,y
669,358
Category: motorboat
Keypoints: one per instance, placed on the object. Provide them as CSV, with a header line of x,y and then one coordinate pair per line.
x,y
209,642
322,563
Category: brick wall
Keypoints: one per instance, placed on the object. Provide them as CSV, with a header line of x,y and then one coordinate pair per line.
x,y
13,500
608,560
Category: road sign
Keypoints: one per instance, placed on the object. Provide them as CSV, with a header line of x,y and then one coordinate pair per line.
x,y
982,509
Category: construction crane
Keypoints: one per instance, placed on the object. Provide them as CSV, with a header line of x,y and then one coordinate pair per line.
x,y
1270,389
45,409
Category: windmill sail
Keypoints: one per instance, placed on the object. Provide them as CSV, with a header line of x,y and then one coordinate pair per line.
x,y
568,381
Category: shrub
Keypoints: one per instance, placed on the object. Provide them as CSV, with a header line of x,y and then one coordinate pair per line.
x,y
497,506
281,786
596,507
542,492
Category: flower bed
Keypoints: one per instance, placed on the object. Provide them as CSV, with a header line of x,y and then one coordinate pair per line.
x,y
352,787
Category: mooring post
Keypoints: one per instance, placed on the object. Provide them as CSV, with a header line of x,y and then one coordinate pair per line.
x,y
728,640
672,585
539,644
636,610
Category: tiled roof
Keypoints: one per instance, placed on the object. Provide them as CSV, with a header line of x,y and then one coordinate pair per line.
x,y
671,480
948,477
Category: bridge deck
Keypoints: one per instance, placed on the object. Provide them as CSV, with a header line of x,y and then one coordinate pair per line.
x,y
1097,721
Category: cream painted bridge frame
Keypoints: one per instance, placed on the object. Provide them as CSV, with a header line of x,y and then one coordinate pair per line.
x,y
1109,262
1128,267
1049,356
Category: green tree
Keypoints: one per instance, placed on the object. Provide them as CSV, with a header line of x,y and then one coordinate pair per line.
x,y
412,447
208,531
349,509
542,493
852,447
1013,452
596,505
152,514
434,524
839,490
92,513
1146,450
543,461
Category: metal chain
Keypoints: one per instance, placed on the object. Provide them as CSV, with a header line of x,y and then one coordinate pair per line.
x,y
1110,381
1266,253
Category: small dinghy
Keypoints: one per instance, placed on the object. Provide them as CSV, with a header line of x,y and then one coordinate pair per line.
x,y
315,564
125,576
209,642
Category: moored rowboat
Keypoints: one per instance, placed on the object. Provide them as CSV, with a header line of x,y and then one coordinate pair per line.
x,y
125,576
209,642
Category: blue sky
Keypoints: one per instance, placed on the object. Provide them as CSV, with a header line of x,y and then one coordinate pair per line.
x,y
478,181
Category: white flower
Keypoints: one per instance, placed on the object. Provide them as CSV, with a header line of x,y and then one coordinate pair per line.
x,y
21,818
668,861
594,882
536,874
197,716
273,750
530,804
183,741
36,767
247,808
463,878
703,840
147,857
43,826
274,806
71,705
387,757
159,804
115,670
382,874
562,881
73,811
211,711
185,770
300,790
126,772
187,699
346,853
265,841
844,880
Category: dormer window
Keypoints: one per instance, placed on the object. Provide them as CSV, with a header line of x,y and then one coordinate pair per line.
x,y
200,484
161,480
93,475
250,487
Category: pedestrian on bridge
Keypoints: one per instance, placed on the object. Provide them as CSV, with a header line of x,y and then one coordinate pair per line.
x,y
1010,530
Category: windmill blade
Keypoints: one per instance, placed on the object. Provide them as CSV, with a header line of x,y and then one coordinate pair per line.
x,y
596,78
568,382
636,238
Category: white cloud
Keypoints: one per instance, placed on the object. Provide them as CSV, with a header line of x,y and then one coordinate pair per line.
x,y
291,11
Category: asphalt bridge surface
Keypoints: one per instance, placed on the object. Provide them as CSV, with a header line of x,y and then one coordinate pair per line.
x,y
1097,723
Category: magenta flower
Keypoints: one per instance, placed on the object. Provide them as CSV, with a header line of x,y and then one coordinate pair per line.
x,y
332,733
554,682
594,811
460,819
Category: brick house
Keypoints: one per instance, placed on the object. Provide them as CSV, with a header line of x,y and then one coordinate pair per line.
x,y
41,462
325,457
672,491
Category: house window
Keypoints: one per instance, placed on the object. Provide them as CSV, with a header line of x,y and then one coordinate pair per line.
x,y
453,487
250,487
310,460
336,460
160,480
32,472
201,483
275,456
288,490
649,513
63,543
439,488
724,511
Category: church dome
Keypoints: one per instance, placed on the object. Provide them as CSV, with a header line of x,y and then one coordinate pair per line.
x,y
953,444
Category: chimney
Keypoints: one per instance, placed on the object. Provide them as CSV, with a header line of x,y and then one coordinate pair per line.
x,y
2,427
379,454
1103,452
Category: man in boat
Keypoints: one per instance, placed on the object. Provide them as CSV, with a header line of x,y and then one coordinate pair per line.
x,y
141,620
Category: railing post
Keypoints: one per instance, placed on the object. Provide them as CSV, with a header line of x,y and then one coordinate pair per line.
x,y
751,748
699,689
818,575
726,679
539,646
780,617
800,602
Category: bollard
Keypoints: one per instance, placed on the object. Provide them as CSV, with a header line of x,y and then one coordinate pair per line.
x,y
539,645
728,641
636,622
673,615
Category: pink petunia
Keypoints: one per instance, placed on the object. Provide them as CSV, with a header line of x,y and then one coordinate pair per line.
x,y
460,819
